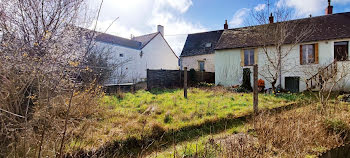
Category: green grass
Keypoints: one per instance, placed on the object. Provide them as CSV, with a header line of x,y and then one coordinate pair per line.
x,y
172,110
144,113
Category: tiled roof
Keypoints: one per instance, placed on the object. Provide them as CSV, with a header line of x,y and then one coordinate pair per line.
x,y
103,37
145,39
328,27
201,43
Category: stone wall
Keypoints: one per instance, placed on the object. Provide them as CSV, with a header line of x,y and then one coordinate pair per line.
x,y
175,78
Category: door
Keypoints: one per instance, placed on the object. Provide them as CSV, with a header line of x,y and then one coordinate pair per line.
x,y
341,51
292,84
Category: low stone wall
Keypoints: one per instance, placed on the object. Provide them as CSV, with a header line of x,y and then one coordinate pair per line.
x,y
175,78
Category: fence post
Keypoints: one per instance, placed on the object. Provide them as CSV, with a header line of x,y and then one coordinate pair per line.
x,y
255,90
185,82
147,80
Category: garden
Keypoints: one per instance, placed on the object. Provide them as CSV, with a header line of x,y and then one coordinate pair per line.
x,y
165,116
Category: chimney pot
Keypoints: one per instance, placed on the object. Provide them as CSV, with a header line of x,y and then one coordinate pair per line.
x,y
160,29
225,25
271,18
329,9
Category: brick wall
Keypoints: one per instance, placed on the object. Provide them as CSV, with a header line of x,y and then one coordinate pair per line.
x,y
175,78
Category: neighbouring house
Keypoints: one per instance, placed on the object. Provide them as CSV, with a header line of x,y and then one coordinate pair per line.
x,y
149,51
199,49
326,46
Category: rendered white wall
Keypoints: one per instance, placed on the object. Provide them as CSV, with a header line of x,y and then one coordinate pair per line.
x,y
155,55
158,55
228,71
131,68
191,62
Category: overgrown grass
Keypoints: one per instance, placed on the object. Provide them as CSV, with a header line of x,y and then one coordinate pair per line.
x,y
301,132
157,112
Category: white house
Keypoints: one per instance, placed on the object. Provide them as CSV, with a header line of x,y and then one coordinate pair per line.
x,y
199,49
140,53
329,41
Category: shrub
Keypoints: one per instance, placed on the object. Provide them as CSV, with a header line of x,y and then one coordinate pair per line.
x,y
337,126
205,84
168,118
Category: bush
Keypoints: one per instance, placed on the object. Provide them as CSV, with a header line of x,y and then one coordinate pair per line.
x,y
205,84
168,118
337,126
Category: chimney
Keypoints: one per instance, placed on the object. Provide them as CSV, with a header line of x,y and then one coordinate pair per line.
x,y
329,9
225,25
271,19
160,29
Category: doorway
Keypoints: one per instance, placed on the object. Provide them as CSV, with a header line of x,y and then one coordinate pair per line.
x,y
291,84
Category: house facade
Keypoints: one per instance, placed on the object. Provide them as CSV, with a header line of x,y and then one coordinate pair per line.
x,y
326,46
137,54
199,49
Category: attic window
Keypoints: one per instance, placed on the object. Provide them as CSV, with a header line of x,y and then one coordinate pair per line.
x,y
208,45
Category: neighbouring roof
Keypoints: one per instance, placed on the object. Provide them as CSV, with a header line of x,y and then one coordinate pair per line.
x,y
327,27
103,37
201,43
145,39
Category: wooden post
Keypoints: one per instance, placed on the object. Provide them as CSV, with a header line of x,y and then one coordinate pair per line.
x,y
185,82
255,90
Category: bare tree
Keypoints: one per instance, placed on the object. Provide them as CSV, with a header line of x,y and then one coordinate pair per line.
x,y
326,79
277,40
42,55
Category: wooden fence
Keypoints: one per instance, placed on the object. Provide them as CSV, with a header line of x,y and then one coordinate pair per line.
x,y
175,78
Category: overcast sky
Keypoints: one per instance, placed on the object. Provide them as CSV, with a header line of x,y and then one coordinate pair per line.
x,y
181,17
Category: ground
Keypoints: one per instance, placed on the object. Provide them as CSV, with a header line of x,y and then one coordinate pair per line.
x,y
144,114
212,122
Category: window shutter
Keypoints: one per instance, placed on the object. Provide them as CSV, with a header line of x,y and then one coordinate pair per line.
x,y
242,57
256,53
301,54
316,54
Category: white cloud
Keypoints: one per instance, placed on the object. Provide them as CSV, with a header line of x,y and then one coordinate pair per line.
x,y
260,7
139,17
238,17
304,8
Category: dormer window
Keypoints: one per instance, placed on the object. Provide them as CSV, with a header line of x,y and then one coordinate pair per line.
x,y
208,45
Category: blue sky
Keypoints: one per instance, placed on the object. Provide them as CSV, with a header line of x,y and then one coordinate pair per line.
x,y
180,17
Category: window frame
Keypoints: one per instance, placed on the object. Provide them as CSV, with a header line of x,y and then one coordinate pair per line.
x,y
199,65
348,50
251,53
315,54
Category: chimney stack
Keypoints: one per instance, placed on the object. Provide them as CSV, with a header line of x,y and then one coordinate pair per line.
x,y
329,9
160,29
271,18
225,25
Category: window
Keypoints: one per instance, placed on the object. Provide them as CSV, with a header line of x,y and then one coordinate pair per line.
x,y
248,57
121,55
208,45
201,65
308,54
341,51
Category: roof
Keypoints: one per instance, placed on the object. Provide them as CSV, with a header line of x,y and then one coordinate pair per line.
x,y
327,27
103,37
145,39
201,43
